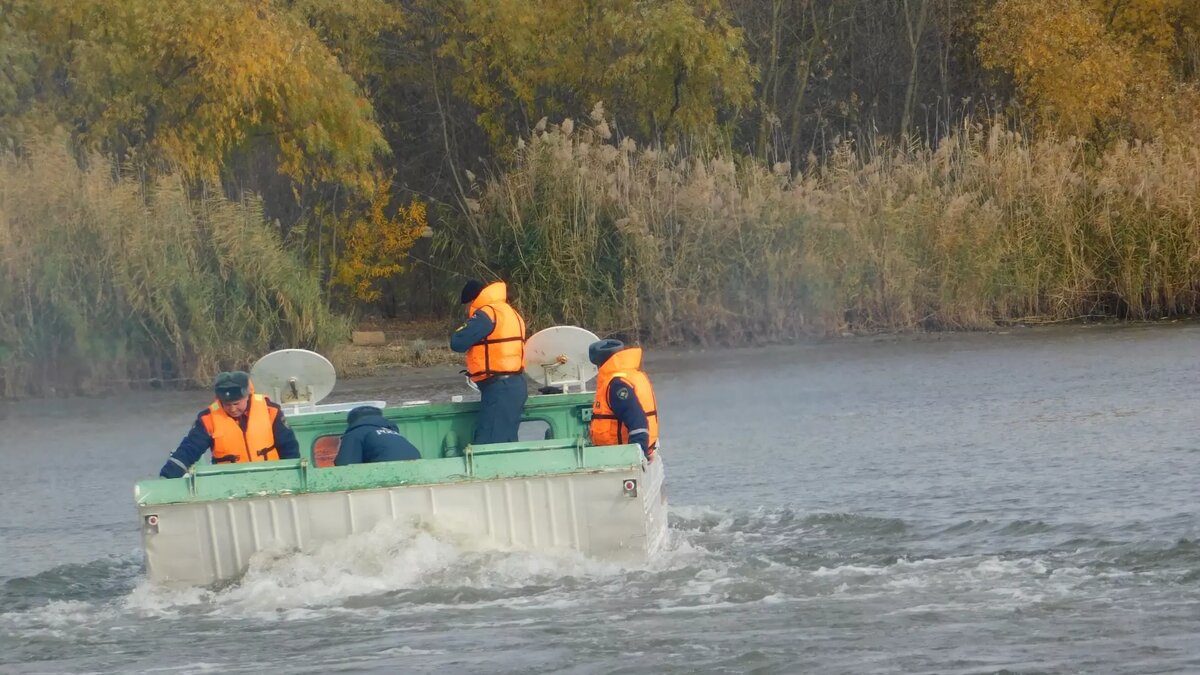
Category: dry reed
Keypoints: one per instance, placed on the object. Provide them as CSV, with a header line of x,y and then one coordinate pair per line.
x,y
989,227
106,280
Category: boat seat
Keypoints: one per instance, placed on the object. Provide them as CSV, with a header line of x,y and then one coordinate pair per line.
x,y
325,450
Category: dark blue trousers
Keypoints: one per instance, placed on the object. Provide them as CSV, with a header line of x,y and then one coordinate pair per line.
x,y
501,402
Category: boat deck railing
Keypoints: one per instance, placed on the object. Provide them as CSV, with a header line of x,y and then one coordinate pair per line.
x,y
435,430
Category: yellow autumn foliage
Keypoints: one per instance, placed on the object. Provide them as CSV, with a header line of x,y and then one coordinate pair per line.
x,y
353,30
661,67
189,84
1087,66
375,244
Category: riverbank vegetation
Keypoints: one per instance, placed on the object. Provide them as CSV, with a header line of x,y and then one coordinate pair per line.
x,y
683,171
988,227
109,278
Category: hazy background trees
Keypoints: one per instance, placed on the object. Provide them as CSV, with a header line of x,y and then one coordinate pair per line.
x,y
373,138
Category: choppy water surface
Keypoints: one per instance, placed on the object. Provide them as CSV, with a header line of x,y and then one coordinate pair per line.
x,y
1021,502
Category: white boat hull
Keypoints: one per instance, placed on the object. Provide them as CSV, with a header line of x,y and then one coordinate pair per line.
x,y
595,513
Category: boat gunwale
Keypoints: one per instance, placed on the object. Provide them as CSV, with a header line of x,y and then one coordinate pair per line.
x,y
527,459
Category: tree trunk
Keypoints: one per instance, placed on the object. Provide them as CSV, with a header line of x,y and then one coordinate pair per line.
x,y
914,34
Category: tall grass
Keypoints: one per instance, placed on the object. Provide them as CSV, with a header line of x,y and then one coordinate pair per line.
x,y
989,227
105,279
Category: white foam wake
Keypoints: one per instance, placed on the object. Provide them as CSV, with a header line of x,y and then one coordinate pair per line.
x,y
395,557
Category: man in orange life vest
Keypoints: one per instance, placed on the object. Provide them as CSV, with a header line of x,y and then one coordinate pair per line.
x,y
624,410
239,426
493,339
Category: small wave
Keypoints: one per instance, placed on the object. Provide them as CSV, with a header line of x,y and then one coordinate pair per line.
x,y
42,632
858,558
1183,553
693,515
1013,528
407,651
56,614
1190,577
968,527
1087,543
753,542
716,602
763,520
193,667
706,520
95,580
961,584
1024,527
854,523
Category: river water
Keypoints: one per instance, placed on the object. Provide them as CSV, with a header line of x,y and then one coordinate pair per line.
x,y
1021,502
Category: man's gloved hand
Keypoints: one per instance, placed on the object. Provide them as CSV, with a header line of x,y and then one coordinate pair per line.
x,y
170,470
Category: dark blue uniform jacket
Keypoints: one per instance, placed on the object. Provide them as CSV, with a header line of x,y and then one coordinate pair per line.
x,y
374,439
625,405
471,333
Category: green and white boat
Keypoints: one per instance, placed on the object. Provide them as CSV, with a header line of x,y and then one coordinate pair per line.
x,y
556,493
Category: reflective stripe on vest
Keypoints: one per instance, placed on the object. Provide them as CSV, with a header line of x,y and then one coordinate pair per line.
x,y
502,352
231,444
606,428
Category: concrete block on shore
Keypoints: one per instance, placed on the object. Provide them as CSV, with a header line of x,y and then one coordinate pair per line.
x,y
368,338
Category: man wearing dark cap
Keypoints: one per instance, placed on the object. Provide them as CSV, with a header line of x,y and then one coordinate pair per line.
x,y
493,339
239,426
624,410
371,438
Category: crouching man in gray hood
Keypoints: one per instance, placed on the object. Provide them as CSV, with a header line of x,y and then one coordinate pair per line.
x,y
371,438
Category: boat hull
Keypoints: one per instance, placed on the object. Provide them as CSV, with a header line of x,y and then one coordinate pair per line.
x,y
593,512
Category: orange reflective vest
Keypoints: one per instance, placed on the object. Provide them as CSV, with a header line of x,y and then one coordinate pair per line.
x,y
606,428
230,443
502,352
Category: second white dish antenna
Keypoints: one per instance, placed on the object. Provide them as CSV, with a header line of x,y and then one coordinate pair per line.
x,y
293,376
558,357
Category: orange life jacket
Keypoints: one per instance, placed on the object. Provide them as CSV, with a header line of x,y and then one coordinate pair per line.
x,y
502,352
606,428
255,444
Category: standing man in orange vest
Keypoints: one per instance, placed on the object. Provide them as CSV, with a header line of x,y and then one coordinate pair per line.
x,y
239,426
493,339
624,410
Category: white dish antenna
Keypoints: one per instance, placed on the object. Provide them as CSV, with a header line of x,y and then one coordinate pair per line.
x,y
558,357
295,377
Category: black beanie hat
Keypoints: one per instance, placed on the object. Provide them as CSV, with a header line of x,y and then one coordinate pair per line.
x,y
361,412
470,291
602,350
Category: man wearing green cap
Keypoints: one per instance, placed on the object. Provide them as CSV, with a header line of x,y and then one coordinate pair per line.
x,y
239,426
